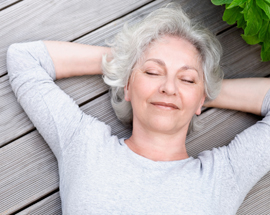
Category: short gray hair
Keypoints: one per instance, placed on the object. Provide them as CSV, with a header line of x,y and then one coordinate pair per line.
x,y
129,45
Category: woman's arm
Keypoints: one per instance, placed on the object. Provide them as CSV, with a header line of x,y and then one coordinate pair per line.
x,y
74,59
245,94
248,154
32,73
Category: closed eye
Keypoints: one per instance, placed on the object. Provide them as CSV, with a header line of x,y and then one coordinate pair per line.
x,y
151,73
188,81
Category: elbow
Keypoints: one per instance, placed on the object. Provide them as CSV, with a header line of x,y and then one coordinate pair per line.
x,y
13,50
18,58
12,57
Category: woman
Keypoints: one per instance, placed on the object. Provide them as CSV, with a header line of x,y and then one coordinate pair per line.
x,y
165,78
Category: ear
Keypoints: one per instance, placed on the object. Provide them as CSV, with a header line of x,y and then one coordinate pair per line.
x,y
126,91
198,112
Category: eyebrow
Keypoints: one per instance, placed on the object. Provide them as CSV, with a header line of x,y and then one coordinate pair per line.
x,y
158,61
162,63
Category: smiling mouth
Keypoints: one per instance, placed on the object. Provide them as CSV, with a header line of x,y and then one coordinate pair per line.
x,y
165,105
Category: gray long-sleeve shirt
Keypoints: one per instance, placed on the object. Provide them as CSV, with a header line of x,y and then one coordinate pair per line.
x,y
99,174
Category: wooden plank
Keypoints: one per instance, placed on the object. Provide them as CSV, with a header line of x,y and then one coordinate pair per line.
x,y
15,122
218,128
258,199
49,206
65,20
29,159
205,13
28,169
241,59
6,3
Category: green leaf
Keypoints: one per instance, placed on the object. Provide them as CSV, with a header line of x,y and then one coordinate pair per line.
x,y
227,5
236,3
264,33
254,20
251,40
254,17
264,6
221,2
266,45
246,8
232,15
241,23
264,16
242,5
265,53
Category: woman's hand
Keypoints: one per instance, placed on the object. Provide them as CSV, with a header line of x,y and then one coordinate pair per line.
x,y
245,94
74,59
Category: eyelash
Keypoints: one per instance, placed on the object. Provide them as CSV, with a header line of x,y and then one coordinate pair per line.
x,y
188,81
156,74
150,73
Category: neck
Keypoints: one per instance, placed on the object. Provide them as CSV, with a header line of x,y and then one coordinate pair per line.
x,y
158,146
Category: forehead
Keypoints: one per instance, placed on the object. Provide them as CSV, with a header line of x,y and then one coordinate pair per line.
x,y
173,50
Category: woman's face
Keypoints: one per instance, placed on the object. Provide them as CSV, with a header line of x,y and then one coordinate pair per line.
x,y
167,88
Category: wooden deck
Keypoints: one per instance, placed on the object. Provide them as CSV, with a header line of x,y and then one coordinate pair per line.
x,y
28,169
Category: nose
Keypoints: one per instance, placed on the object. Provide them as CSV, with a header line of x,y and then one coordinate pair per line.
x,y
168,87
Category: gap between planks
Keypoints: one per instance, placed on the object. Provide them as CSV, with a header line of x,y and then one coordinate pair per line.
x,y
8,3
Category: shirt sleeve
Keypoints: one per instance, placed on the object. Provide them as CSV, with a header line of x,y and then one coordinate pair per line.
x,y
249,153
31,73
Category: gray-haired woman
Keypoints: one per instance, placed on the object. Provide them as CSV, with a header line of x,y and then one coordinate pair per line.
x,y
160,71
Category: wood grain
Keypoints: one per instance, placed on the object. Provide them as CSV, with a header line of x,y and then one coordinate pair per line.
x,y
28,170
241,59
258,199
49,206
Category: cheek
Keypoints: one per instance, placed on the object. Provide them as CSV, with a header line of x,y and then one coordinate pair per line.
x,y
192,96
142,87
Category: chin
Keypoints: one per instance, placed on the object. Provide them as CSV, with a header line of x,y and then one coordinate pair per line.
x,y
162,125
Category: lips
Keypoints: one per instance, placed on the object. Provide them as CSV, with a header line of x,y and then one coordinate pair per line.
x,y
165,105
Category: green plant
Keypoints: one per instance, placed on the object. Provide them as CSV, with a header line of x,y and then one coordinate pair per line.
x,y
254,17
